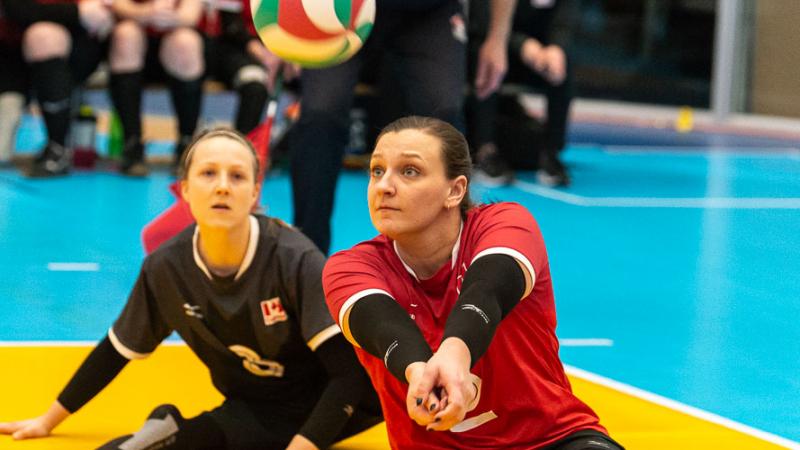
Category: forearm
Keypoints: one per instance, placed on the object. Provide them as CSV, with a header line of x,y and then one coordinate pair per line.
x,y
500,19
127,9
189,12
384,329
347,383
492,287
97,370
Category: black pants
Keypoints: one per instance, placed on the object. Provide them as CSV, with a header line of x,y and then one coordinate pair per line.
x,y
585,440
427,56
248,426
481,114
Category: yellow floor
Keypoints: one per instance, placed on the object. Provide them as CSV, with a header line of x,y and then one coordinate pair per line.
x,y
31,377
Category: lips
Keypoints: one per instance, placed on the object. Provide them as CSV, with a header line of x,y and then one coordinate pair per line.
x,y
220,206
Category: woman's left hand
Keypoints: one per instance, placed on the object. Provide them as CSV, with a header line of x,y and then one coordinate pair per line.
x,y
300,442
446,373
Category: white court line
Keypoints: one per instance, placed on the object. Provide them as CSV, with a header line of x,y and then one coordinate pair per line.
x,y
586,342
681,407
73,267
661,202
696,150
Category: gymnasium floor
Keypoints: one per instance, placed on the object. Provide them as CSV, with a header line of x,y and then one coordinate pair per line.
x,y
674,260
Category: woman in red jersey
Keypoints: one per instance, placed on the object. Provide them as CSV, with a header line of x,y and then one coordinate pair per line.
x,y
451,307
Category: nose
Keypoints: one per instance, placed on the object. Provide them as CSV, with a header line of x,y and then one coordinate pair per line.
x,y
223,184
385,184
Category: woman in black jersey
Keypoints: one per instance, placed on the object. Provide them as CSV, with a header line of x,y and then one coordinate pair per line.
x,y
244,292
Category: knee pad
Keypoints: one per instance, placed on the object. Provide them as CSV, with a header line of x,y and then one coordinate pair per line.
x,y
250,74
160,430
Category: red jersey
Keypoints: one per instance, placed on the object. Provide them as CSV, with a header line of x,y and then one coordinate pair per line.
x,y
526,399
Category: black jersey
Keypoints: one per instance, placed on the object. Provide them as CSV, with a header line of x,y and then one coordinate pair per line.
x,y
255,331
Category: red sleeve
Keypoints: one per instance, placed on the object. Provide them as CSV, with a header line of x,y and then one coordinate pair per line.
x,y
508,228
350,276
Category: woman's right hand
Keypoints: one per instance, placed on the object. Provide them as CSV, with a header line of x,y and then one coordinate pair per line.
x,y
26,429
38,426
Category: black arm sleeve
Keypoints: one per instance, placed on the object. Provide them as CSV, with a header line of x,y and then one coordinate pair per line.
x,y
492,286
346,385
97,370
385,330
26,12
233,28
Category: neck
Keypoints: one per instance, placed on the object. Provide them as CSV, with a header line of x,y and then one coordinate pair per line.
x,y
223,249
425,252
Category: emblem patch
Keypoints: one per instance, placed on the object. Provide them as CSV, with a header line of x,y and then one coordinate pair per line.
x,y
272,311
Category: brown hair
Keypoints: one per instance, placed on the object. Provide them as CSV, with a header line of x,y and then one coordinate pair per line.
x,y
188,154
454,148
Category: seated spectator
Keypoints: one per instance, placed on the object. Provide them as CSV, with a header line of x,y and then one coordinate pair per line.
x,y
536,62
62,43
155,40
13,85
238,58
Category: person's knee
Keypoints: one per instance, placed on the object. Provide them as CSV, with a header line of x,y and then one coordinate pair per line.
x,y
46,40
127,47
181,54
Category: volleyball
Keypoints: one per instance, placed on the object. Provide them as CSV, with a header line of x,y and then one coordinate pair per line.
x,y
313,33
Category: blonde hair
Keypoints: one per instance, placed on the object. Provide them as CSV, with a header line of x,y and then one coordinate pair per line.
x,y
188,154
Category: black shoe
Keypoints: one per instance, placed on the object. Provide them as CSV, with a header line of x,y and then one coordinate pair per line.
x,y
132,163
158,431
53,161
552,171
490,168
179,154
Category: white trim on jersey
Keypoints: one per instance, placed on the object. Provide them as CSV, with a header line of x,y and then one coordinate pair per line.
x,y
323,336
473,422
255,231
356,297
122,349
453,254
252,245
517,256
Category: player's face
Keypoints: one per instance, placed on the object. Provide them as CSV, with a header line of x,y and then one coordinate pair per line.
x,y
220,185
408,187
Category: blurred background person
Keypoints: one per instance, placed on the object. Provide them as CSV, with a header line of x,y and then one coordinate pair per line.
x,y
535,62
62,43
156,40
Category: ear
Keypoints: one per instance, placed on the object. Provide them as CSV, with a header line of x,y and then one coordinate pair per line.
x,y
458,189
184,189
256,195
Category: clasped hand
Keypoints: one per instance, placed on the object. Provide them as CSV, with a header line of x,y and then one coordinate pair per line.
x,y
442,390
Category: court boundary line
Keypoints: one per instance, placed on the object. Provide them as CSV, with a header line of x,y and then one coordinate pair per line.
x,y
659,202
681,407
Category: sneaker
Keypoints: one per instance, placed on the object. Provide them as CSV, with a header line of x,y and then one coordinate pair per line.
x,y
158,431
552,171
53,161
490,168
132,163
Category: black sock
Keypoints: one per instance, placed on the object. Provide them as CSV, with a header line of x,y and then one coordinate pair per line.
x,y
187,99
53,84
126,94
252,97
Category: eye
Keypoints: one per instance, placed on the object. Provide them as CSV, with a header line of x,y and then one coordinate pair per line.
x,y
410,171
376,171
238,176
207,172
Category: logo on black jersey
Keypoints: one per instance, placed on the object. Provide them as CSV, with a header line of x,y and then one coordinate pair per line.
x,y
192,310
256,365
273,311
